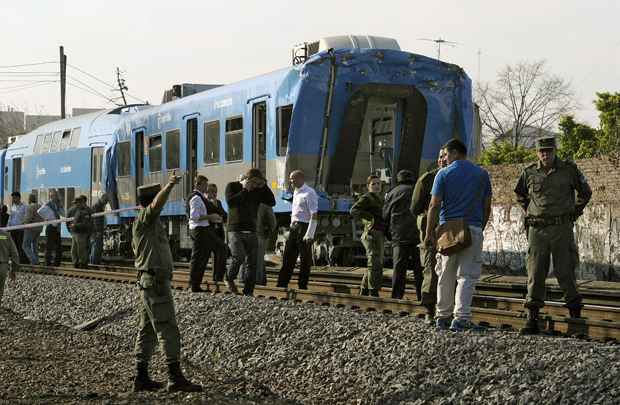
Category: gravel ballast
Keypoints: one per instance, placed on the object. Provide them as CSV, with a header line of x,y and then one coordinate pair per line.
x,y
278,351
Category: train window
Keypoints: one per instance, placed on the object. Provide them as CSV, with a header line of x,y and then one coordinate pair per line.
x,y
172,149
212,142
124,158
55,145
234,139
155,153
284,124
65,141
38,143
47,141
75,137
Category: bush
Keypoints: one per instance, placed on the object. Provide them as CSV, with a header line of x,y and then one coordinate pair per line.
x,y
501,153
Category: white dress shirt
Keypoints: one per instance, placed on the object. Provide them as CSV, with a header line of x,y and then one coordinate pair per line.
x,y
197,209
18,212
305,204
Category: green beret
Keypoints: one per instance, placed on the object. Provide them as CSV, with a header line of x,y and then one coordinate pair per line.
x,y
547,142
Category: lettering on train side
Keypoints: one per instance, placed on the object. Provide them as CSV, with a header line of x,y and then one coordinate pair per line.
x,y
163,118
227,102
41,171
65,169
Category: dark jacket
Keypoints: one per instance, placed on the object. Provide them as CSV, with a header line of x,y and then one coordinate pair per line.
x,y
243,205
397,214
99,222
217,208
368,209
82,223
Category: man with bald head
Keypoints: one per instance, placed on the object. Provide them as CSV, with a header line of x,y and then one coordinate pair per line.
x,y
304,221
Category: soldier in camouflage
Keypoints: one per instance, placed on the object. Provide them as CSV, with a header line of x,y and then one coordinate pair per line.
x,y
546,191
9,256
428,254
157,318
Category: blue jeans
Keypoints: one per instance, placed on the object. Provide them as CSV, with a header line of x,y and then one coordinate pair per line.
x,y
243,247
31,244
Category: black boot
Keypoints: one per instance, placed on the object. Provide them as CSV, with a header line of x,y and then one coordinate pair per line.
x,y
575,312
177,382
374,293
143,382
531,326
364,291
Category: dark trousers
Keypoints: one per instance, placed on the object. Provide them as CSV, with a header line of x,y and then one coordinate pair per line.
x,y
205,241
53,246
18,237
96,247
243,248
406,256
296,247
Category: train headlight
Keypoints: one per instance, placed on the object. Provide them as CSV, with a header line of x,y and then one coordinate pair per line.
x,y
335,222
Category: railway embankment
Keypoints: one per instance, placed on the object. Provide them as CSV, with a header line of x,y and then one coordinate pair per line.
x,y
281,351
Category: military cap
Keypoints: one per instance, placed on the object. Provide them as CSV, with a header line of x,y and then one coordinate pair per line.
x,y
547,142
80,198
149,190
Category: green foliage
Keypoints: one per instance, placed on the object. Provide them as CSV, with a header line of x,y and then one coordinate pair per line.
x,y
505,153
578,141
608,105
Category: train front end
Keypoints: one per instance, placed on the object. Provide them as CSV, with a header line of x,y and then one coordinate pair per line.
x,y
372,111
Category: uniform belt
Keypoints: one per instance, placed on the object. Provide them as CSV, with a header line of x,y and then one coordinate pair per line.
x,y
548,221
297,223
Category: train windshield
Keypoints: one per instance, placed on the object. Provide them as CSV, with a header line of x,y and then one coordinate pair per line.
x,y
382,133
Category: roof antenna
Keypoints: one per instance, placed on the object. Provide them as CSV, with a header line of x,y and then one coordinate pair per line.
x,y
439,41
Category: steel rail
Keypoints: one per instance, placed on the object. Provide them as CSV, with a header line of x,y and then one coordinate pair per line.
x,y
602,324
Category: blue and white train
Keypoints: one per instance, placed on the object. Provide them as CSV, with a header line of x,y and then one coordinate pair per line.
x,y
357,105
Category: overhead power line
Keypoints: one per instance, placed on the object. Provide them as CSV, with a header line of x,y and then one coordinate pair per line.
x,y
111,86
26,64
28,84
94,93
31,86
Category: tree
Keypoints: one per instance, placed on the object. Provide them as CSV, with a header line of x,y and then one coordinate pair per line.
x,y
524,95
505,153
577,141
608,105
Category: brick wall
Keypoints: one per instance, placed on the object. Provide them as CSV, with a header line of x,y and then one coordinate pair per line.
x,y
597,232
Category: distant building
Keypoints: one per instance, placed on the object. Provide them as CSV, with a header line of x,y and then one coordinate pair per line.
x,y
11,124
185,89
81,111
35,121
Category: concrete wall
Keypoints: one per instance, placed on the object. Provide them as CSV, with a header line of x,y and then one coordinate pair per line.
x,y
597,232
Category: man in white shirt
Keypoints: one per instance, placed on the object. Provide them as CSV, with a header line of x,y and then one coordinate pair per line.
x,y
203,236
17,213
304,221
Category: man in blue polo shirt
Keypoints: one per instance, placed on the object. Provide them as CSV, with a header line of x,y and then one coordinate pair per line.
x,y
460,190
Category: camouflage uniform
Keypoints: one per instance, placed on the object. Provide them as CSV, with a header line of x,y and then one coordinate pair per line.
x,y
154,264
549,202
8,251
81,228
369,208
428,255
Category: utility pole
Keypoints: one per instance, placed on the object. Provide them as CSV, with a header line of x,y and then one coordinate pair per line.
x,y
121,85
63,81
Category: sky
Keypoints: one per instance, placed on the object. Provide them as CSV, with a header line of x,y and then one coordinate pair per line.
x,y
160,43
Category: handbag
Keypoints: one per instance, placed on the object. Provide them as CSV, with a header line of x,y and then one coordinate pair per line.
x,y
454,235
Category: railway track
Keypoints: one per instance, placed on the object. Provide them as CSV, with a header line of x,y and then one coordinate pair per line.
x,y
600,322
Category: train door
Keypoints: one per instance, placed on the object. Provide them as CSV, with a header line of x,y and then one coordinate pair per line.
x,y
139,157
191,159
17,173
96,173
259,136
